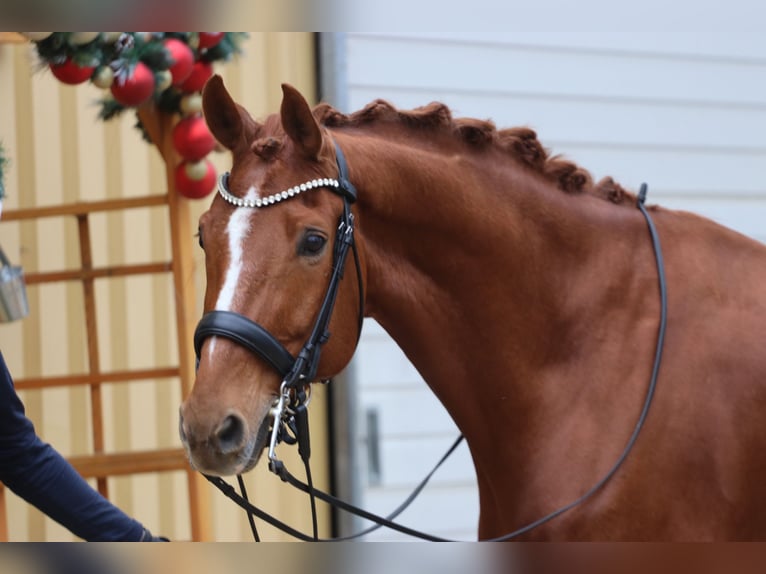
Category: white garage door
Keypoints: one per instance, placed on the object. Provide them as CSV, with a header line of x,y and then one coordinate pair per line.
x,y
684,112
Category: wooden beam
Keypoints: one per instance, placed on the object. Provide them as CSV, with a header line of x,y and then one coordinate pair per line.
x,y
85,207
97,273
102,465
91,378
159,126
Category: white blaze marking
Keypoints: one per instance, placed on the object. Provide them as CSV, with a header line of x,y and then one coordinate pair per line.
x,y
237,229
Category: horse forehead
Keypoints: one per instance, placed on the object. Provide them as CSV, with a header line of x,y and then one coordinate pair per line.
x,y
217,219
269,224
246,233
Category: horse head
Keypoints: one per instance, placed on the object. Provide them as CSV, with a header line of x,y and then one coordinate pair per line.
x,y
270,239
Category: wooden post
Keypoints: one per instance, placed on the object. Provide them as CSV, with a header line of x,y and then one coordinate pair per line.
x,y
91,332
3,515
159,127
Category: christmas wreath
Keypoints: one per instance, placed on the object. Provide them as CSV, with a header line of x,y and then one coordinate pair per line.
x,y
168,68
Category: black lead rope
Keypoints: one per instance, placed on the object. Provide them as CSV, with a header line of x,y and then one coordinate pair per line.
x,y
279,468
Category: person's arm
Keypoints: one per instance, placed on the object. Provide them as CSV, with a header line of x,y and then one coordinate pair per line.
x,y
37,473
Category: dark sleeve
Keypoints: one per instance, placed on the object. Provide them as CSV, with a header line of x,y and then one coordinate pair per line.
x,y
37,473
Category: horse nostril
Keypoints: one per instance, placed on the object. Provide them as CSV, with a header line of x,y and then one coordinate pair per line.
x,y
230,434
182,432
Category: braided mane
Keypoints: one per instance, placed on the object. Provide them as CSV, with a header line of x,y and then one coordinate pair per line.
x,y
520,143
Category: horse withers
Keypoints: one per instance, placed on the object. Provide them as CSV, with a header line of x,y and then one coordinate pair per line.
x,y
524,293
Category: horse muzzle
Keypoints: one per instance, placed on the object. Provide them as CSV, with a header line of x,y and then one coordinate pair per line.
x,y
226,446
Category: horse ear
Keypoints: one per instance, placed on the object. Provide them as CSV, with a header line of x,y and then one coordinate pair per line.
x,y
222,114
299,123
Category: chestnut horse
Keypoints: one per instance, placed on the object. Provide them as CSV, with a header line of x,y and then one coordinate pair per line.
x,y
523,292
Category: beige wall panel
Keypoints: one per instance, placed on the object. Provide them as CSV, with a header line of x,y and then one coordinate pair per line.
x,y
61,153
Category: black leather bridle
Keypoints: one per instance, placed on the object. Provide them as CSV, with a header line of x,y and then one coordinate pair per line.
x,y
290,411
290,414
302,369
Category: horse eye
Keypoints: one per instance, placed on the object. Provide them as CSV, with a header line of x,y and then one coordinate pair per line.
x,y
312,244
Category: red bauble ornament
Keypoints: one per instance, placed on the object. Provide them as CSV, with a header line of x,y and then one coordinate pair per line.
x,y
196,80
195,180
135,89
209,39
71,73
192,139
183,60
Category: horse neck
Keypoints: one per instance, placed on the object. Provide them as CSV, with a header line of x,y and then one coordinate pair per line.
x,y
486,275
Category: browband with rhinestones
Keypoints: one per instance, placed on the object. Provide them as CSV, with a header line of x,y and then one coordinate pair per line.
x,y
274,198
